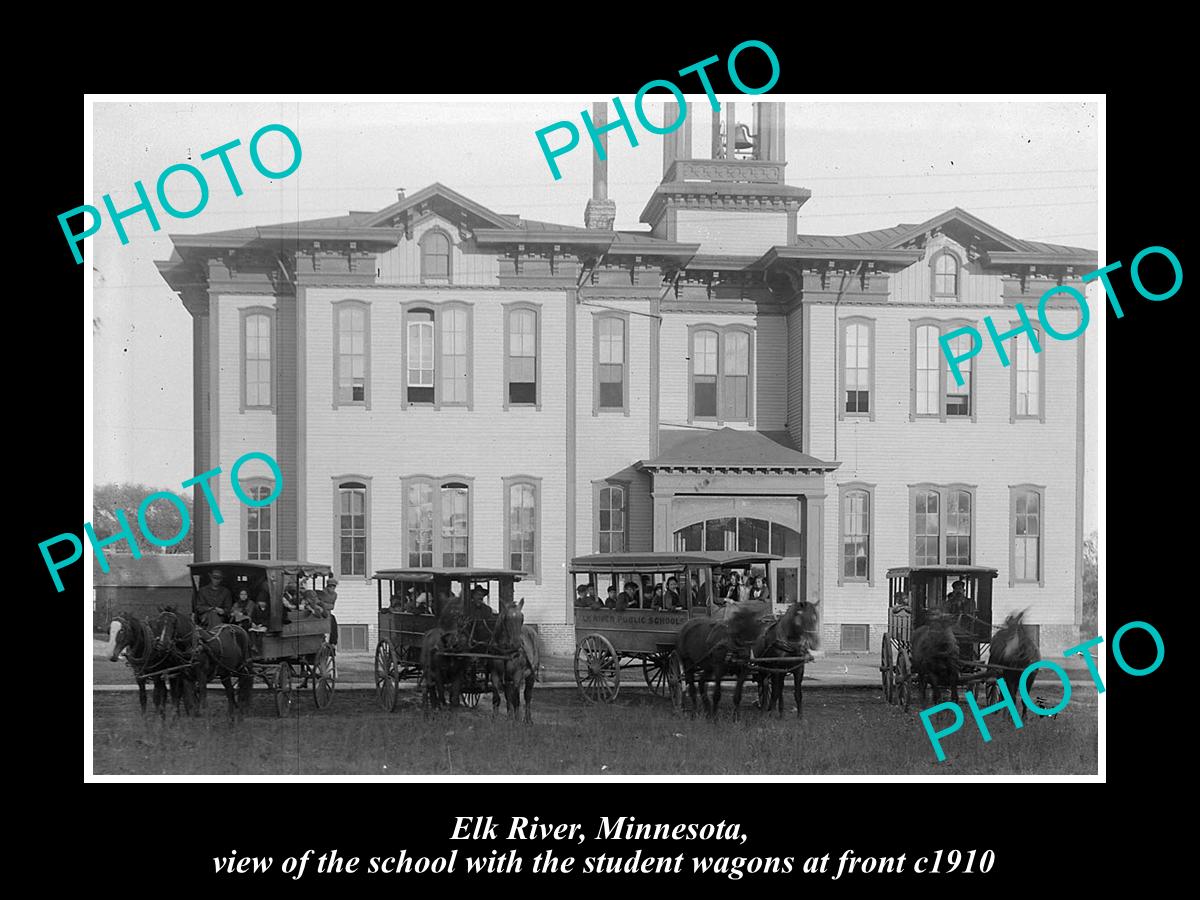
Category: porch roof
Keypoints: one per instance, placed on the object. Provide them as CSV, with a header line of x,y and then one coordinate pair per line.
x,y
733,449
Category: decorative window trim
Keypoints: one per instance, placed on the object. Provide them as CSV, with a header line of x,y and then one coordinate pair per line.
x,y
437,483
597,486
338,481
448,278
597,318
943,491
1013,491
943,326
243,314
365,306
1012,364
843,327
721,331
844,489
534,482
934,294
246,485
539,375
438,309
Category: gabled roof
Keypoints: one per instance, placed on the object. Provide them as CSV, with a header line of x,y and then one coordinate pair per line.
x,y
438,190
733,448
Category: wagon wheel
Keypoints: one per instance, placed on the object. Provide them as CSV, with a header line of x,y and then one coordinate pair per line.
x,y
597,669
654,670
903,679
385,685
283,689
886,671
675,680
323,678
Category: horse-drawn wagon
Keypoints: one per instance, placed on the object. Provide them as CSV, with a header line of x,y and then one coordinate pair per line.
x,y
609,640
413,602
290,644
957,600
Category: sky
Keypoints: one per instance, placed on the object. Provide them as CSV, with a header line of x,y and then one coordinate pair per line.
x,y
1028,168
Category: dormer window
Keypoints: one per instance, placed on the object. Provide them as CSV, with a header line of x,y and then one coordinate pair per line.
x,y
945,267
435,256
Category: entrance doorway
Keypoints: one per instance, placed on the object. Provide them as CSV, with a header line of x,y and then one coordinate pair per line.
x,y
790,582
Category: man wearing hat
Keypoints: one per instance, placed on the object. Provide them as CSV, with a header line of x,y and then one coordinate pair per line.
x,y
957,601
213,601
327,598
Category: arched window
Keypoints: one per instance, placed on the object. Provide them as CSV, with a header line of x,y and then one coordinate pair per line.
x,y
456,524
735,388
856,535
858,368
611,518
521,533
418,524
927,529
435,255
943,523
945,275
351,551
928,367
521,356
420,356
958,528
1028,385
704,374
1026,510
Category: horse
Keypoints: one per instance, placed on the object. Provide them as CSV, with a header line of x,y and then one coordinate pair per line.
x,y
789,636
175,639
710,647
141,654
935,655
223,652
517,643
1014,649
437,667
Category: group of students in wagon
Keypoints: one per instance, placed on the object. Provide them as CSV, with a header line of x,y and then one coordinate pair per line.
x,y
251,609
731,587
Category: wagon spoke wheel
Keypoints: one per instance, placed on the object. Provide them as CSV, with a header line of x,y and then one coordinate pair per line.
x,y
886,671
675,680
654,670
597,669
903,679
283,689
385,683
323,678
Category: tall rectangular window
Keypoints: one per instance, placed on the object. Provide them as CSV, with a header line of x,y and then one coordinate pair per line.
x,y
611,518
958,528
435,255
736,385
1027,379
958,397
611,362
258,523
454,355
522,356
1027,534
351,353
857,371
256,359
419,525
420,356
856,530
522,528
928,369
927,529
704,374
455,524
352,528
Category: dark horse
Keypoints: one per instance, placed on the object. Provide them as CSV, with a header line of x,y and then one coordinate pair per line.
x,y
221,653
438,668
1015,650
789,636
935,659
517,643
142,654
710,647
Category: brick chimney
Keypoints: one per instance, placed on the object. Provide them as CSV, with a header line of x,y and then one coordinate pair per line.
x,y
600,212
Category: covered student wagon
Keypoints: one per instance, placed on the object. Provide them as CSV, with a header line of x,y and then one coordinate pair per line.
x,y
293,645
609,640
411,601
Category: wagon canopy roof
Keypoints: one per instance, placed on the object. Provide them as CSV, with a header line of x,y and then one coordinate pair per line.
x,y
290,567
942,570
454,572
664,561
